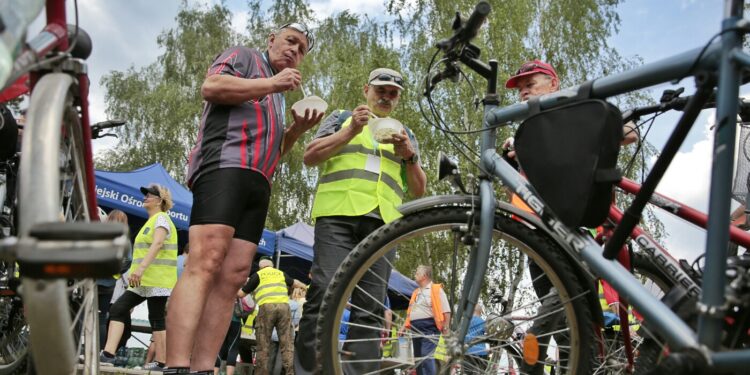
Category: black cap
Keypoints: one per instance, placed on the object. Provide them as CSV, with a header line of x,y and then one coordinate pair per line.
x,y
150,190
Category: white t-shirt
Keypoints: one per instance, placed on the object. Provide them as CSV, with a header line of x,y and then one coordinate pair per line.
x,y
422,308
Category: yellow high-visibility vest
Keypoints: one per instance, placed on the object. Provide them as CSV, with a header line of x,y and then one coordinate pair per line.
x,y
349,185
162,272
272,287
633,322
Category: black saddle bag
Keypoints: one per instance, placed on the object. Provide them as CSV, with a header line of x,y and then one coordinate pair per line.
x,y
569,154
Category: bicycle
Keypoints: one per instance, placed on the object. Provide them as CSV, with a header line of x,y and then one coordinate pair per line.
x,y
59,249
568,258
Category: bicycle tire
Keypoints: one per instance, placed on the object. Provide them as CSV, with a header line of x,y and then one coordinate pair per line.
x,y
52,187
416,229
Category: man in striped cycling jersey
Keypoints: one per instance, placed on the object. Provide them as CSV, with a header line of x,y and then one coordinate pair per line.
x,y
242,136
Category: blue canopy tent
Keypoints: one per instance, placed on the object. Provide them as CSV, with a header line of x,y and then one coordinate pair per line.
x,y
295,245
121,190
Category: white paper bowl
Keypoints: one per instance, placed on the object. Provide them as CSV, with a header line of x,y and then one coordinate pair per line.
x,y
383,129
312,103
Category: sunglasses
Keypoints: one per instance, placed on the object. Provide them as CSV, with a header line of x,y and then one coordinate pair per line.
x,y
525,68
302,28
388,78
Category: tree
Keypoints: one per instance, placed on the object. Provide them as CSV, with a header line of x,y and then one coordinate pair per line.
x,y
162,101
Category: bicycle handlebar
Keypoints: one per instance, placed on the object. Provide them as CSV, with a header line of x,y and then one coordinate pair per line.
x,y
97,128
475,21
678,104
459,47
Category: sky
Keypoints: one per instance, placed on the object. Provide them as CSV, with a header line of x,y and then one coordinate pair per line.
x,y
124,35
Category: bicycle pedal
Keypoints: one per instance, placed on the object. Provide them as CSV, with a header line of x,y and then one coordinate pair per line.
x,y
72,250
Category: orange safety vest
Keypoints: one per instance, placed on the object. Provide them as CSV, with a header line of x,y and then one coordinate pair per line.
x,y
437,307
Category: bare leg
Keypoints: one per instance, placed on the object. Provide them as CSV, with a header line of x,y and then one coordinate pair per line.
x,y
114,333
230,370
217,313
151,353
160,346
209,245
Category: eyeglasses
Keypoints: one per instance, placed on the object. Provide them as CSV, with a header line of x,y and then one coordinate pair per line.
x,y
525,68
301,27
388,78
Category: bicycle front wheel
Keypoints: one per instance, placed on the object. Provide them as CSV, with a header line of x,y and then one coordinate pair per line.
x,y
52,187
536,319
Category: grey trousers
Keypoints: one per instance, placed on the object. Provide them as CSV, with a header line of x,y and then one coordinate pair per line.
x,y
335,237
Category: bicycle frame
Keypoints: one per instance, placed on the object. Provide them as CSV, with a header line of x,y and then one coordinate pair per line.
x,y
55,352
658,254
724,58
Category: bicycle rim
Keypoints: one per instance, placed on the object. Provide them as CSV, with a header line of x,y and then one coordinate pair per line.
x,y
513,310
62,313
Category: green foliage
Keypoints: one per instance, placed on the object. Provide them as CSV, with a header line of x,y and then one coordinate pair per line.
x,y
162,101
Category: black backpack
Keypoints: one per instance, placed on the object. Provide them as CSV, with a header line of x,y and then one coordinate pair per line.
x,y
569,154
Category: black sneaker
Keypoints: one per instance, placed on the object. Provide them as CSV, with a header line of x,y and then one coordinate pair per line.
x,y
153,366
106,360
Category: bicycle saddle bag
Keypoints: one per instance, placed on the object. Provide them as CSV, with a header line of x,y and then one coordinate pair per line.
x,y
569,155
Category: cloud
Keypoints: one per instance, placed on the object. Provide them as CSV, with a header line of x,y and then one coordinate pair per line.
x,y
324,9
688,180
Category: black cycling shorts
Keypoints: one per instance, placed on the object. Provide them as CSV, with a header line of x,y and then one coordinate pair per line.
x,y
232,196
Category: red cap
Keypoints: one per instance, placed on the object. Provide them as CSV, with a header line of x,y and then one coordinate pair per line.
x,y
528,68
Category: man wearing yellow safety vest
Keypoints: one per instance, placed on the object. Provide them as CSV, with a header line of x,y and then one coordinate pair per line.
x,y
361,183
269,287
428,316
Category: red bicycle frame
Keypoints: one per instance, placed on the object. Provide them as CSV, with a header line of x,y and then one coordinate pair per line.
x,y
54,37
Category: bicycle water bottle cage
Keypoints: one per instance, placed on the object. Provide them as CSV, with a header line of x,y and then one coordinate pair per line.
x,y
569,154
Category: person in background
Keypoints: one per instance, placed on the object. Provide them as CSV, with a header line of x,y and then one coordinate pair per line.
x,y
152,275
428,316
106,287
536,78
475,361
269,289
242,137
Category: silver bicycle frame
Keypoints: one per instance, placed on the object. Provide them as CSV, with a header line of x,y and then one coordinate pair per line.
x,y
727,59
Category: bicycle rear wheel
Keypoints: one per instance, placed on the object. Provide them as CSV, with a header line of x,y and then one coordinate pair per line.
x,y
62,314
645,351
548,302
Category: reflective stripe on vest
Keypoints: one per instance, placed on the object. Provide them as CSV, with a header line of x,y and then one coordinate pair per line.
x,y
346,188
272,287
632,321
437,307
162,271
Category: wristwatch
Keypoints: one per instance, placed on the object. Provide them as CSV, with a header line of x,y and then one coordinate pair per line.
x,y
412,160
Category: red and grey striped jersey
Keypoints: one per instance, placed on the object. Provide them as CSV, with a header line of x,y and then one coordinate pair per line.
x,y
246,135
